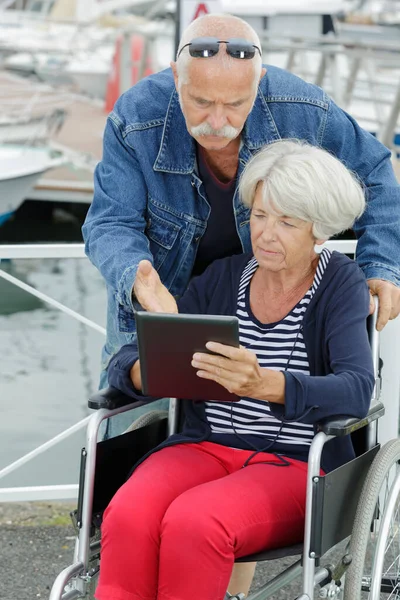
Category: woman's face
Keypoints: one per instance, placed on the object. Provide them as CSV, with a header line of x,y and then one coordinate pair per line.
x,y
279,242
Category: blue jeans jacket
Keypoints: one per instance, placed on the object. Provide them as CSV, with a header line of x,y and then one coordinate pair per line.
x,y
149,202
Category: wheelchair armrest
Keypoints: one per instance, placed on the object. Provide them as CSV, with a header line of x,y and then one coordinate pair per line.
x,y
345,426
109,398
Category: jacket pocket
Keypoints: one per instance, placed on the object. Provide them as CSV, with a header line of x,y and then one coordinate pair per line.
x,y
162,235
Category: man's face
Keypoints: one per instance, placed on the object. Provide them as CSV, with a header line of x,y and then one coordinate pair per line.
x,y
216,102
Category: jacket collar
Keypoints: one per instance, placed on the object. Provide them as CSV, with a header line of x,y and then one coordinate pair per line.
x,y
177,152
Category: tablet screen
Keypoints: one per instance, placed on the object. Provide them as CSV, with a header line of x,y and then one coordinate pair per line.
x,y
167,343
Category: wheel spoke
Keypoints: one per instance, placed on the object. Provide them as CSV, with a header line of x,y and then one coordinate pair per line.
x,y
375,541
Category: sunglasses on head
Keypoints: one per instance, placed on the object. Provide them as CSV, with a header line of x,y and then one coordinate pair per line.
x,y
206,47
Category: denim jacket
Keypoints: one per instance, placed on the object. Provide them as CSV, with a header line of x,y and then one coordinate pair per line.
x,y
149,202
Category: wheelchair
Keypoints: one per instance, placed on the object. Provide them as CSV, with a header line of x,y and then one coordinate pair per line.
x,y
357,504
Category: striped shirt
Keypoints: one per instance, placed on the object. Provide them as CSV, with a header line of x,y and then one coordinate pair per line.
x,y
278,346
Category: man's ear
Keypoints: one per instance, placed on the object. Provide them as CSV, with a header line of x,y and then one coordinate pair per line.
x,y
319,242
175,74
263,72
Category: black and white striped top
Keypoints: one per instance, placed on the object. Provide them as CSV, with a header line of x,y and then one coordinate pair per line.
x,y
278,346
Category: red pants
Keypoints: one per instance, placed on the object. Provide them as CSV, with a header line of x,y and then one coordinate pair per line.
x,y
173,530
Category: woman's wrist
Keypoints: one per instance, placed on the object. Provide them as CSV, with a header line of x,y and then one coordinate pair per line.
x,y
136,377
273,387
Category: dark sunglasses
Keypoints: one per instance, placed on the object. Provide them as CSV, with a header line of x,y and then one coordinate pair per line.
x,y
206,47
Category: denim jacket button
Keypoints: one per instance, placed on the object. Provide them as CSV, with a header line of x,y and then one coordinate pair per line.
x,y
193,183
197,239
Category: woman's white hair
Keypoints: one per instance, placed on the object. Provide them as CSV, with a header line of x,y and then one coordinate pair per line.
x,y
221,26
304,182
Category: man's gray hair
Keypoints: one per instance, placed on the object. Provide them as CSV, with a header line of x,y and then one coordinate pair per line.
x,y
221,26
304,182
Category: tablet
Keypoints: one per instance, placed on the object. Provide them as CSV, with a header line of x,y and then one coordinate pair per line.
x,y
167,343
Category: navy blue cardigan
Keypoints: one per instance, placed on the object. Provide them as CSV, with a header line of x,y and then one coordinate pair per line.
x,y
334,329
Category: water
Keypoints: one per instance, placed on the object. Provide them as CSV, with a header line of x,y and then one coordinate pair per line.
x,y
50,363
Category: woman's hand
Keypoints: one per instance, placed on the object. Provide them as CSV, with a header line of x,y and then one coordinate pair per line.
x,y
136,377
237,370
150,292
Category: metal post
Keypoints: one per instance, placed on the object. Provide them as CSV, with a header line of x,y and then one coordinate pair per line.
x,y
337,93
91,444
356,62
370,69
314,462
178,19
319,79
388,427
386,135
143,57
291,59
125,63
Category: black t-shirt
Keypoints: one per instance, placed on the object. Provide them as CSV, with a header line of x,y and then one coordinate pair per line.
x,y
221,237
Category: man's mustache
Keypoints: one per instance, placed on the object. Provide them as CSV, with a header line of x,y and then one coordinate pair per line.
x,y
227,131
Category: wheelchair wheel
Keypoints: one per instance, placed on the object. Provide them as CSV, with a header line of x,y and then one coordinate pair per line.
x,y
375,540
147,419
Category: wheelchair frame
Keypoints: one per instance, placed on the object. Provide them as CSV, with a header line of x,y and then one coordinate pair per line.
x,y
76,580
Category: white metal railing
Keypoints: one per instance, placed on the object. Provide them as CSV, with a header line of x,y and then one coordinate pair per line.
x,y
28,251
39,251
10,251
362,60
51,302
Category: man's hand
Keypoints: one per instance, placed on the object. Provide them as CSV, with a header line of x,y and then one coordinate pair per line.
x,y
237,370
150,292
389,300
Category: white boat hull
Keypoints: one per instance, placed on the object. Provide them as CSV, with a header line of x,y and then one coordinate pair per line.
x,y
13,192
20,168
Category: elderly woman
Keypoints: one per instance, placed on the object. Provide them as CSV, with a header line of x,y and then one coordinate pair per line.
x,y
234,481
